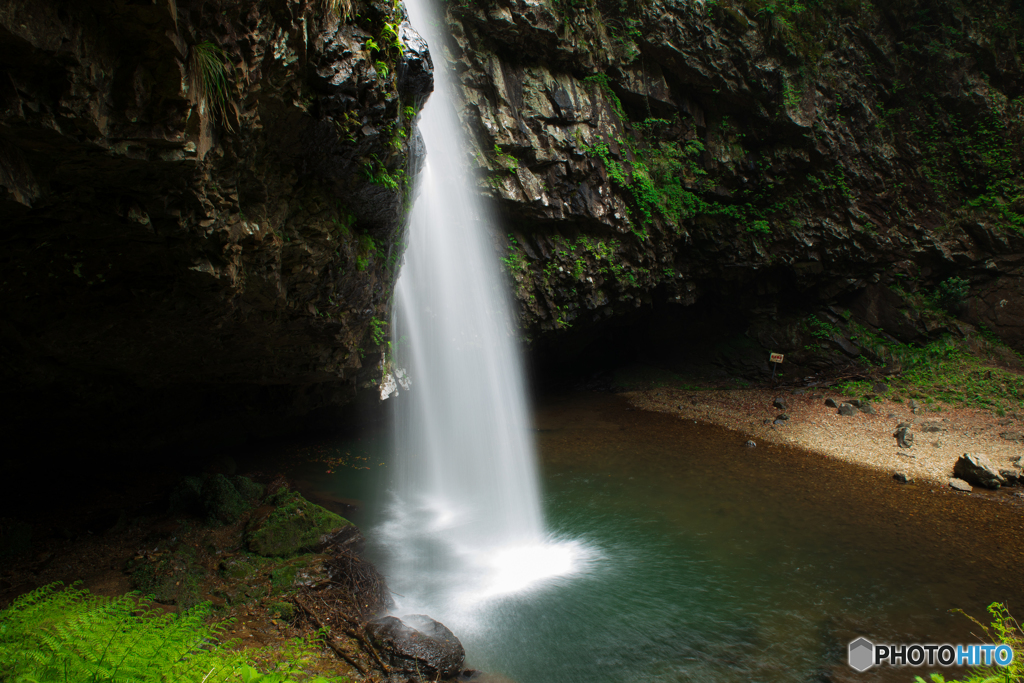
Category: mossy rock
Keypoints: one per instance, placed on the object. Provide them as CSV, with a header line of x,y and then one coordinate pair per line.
x,y
171,578
283,577
187,497
221,500
216,498
247,488
294,526
241,567
284,610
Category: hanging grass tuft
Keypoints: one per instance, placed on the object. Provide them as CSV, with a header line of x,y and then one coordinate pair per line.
x,y
339,8
208,81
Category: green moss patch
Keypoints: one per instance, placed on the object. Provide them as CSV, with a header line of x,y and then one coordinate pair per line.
x,y
216,498
170,577
294,525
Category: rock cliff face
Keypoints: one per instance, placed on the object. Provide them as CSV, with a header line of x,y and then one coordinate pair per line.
x,y
201,203
756,156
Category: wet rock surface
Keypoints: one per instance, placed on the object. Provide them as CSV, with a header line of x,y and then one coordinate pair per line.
x,y
418,644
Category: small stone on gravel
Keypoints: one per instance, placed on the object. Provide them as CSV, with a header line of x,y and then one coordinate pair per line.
x,y
960,485
831,403
847,410
779,403
903,477
750,444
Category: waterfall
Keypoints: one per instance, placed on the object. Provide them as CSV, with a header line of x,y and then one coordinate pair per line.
x,y
466,524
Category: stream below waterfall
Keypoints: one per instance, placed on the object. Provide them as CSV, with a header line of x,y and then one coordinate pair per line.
x,y
709,561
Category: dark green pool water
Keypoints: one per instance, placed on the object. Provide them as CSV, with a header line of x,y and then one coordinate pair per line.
x,y
716,562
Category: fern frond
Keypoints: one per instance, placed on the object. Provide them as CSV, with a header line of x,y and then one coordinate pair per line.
x,y
56,634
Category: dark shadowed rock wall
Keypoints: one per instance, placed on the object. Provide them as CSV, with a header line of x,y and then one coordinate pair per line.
x,y
760,157
200,206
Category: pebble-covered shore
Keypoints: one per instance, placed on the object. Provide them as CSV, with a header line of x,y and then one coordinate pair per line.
x,y
940,437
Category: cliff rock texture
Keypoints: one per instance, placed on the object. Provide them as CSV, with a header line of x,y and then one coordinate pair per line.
x,y
765,157
200,203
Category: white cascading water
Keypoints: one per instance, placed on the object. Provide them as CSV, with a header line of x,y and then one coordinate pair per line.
x,y
466,525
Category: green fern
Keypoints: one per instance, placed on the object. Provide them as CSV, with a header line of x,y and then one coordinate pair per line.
x,y
1005,630
68,635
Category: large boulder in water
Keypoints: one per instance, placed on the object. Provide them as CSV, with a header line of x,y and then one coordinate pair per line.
x,y
418,644
975,468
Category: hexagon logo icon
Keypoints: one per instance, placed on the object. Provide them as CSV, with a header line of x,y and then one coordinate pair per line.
x,y
862,654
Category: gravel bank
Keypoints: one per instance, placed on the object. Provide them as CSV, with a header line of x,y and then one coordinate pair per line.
x,y
939,437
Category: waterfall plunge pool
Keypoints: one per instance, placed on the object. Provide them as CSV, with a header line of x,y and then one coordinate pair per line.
x,y
709,561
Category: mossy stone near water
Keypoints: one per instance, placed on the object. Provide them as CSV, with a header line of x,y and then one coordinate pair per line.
x,y
293,526
217,498
247,488
221,500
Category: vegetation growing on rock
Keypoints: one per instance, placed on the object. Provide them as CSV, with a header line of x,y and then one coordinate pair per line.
x,y
294,525
777,155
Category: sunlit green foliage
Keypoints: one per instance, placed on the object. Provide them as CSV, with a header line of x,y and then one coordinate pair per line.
x,y
1004,629
944,370
68,635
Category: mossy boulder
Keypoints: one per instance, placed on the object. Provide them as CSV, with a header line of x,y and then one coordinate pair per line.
x,y
216,498
284,610
187,497
172,577
221,500
295,525
247,488
241,567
